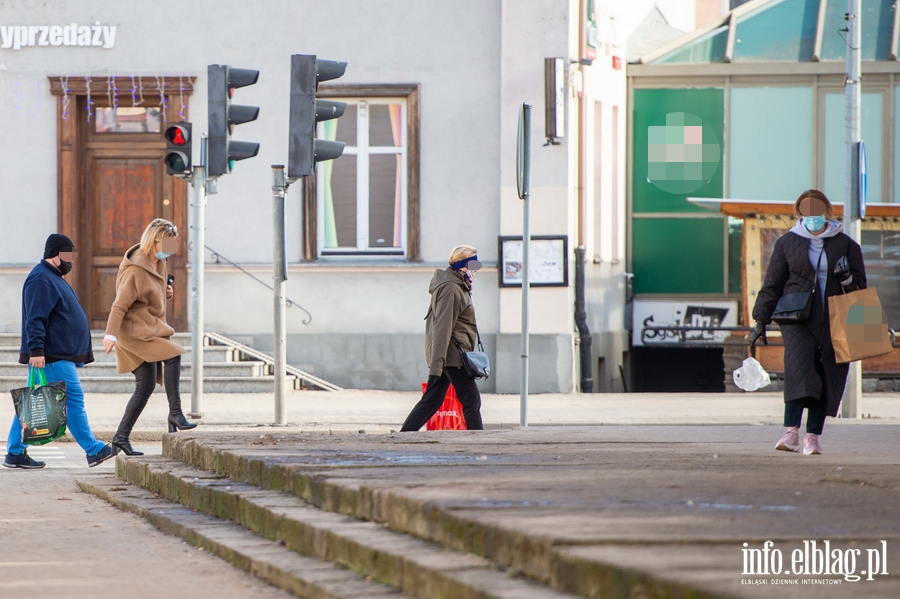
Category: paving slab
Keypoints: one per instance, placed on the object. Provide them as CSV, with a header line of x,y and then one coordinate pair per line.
x,y
592,509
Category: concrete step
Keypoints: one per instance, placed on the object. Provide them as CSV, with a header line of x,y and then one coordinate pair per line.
x,y
214,353
284,568
342,492
125,384
108,369
410,564
15,339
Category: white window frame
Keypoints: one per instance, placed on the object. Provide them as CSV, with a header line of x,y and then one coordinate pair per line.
x,y
363,151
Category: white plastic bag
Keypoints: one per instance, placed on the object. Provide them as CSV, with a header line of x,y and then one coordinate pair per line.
x,y
751,376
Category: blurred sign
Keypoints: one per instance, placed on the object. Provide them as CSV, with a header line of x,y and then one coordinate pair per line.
x,y
678,313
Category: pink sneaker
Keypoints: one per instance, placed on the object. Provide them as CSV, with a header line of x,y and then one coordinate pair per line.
x,y
811,445
790,440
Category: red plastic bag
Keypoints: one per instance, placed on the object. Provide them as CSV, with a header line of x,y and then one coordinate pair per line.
x,y
450,416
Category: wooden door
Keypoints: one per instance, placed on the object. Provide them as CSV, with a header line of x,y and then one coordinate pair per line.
x,y
125,186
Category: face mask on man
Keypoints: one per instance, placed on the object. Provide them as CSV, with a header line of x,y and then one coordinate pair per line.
x,y
64,267
814,223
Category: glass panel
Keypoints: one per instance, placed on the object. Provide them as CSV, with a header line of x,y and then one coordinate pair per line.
x,y
385,197
385,124
881,253
130,119
877,23
678,255
836,147
783,30
770,148
708,48
735,247
339,177
896,140
346,126
669,169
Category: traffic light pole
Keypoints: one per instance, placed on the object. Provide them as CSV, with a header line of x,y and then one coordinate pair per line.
x,y
853,388
279,264
199,229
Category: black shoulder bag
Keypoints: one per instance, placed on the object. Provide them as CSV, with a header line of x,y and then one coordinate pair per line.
x,y
794,308
476,363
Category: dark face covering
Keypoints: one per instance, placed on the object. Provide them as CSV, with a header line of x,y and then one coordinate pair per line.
x,y
64,267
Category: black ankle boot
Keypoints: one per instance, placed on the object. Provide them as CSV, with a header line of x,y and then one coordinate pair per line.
x,y
125,447
177,422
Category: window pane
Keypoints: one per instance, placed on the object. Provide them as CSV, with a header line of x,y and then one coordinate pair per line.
x,y
708,48
896,197
131,119
385,126
678,255
339,178
385,189
881,253
877,22
836,146
770,146
783,30
735,261
346,126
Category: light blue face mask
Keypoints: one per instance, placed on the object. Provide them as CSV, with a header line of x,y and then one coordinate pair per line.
x,y
164,255
814,223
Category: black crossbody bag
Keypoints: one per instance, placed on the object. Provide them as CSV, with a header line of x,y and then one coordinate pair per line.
x,y
476,363
794,308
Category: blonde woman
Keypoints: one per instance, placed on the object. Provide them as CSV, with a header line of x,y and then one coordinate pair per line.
x,y
138,331
450,321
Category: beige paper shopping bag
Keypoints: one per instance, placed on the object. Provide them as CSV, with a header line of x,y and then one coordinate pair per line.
x,y
859,326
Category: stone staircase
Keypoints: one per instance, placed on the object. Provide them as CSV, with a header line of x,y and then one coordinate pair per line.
x,y
289,524
225,369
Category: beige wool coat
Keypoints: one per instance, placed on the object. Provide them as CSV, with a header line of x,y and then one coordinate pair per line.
x,y
138,315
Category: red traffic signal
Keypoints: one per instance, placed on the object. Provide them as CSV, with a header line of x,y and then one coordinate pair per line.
x,y
178,148
177,135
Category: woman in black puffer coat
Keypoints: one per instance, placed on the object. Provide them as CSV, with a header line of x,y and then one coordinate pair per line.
x,y
812,378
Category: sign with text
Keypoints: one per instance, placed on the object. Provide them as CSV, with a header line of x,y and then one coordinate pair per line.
x,y
682,313
16,37
547,257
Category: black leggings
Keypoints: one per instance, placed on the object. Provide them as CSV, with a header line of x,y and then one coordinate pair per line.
x,y
144,384
815,415
466,391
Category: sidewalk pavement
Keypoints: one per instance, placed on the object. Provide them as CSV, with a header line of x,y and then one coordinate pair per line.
x,y
383,411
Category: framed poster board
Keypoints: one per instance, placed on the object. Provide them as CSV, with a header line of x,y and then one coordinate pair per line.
x,y
548,256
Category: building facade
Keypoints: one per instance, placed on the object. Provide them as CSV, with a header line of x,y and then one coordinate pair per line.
x,y
433,92
751,110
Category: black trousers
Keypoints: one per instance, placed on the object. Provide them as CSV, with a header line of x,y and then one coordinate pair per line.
x,y
466,391
815,415
144,383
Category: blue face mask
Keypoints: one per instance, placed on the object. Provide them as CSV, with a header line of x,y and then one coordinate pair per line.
x,y
164,255
814,223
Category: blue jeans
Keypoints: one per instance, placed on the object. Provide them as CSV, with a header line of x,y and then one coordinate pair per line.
x,y
77,416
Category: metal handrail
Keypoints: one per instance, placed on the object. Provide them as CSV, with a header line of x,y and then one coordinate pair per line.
x,y
295,372
288,301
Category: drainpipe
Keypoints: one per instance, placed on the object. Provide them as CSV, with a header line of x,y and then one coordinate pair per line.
x,y
587,382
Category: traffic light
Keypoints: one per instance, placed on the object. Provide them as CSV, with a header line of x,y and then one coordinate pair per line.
x,y
178,148
304,149
223,116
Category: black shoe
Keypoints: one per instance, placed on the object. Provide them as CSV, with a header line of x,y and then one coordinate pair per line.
x,y
23,460
125,447
101,456
180,423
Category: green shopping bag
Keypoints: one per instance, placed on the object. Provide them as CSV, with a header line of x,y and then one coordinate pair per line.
x,y
41,409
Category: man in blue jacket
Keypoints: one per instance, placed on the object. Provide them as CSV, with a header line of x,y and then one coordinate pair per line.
x,y
56,336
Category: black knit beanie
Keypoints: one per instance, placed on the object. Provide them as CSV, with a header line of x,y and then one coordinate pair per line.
x,y
57,243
